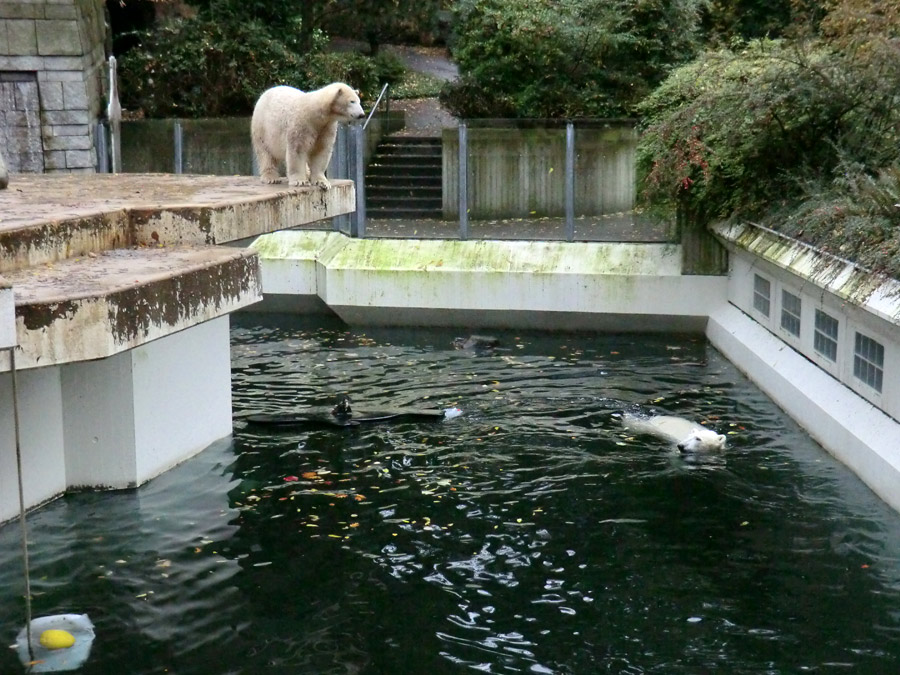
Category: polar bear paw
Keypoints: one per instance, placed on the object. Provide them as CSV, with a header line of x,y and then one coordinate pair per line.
x,y
298,182
322,183
269,177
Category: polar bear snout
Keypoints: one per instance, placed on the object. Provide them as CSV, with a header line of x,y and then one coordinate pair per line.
x,y
702,440
356,112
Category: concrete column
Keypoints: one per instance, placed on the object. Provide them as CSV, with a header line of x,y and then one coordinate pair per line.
x,y
132,416
43,461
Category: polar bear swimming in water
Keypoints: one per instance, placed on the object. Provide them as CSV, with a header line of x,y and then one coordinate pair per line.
x,y
686,435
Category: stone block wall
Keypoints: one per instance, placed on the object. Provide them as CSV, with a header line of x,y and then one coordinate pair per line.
x,y
52,83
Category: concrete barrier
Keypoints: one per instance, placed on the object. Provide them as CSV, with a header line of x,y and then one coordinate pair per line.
x,y
528,284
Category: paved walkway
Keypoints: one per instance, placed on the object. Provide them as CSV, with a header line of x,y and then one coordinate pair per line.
x,y
626,227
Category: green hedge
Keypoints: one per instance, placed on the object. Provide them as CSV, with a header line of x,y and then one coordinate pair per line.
x,y
200,68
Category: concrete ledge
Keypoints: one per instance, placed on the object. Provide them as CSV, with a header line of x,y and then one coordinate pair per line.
x,y
843,278
94,307
846,425
49,217
609,286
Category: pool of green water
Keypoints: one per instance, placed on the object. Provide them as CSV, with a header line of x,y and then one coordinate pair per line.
x,y
529,535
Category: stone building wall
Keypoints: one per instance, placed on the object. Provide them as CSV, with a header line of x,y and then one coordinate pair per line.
x,y
52,83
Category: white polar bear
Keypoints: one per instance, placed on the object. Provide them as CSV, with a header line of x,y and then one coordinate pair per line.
x,y
686,435
299,128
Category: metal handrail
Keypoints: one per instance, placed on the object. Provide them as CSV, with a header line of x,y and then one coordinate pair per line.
x,y
375,107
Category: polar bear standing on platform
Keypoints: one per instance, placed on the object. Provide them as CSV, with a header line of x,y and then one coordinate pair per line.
x,y
686,435
298,129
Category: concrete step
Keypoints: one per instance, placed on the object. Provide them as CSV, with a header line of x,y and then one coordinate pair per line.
x,y
405,179
391,159
419,150
100,304
391,180
400,202
413,170
398,191
46,218
430,141
409,213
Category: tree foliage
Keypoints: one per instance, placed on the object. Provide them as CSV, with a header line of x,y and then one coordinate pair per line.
x,y
566,58
200,68
801,134
379,22
727,20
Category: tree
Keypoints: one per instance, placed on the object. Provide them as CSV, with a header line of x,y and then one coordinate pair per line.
x,y
803,135
726,20
383,21
566,58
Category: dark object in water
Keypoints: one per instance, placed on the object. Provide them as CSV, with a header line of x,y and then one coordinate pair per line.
x,y
342,415
476,342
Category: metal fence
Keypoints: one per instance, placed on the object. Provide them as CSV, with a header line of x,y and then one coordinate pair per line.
x,y
501,178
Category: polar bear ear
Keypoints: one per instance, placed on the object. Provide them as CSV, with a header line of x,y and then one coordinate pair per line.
x,y
721,439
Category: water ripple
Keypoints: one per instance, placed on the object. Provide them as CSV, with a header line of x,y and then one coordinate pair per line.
x,y
532,534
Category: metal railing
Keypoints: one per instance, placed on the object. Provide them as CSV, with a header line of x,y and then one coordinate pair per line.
x,y
361,151
498,175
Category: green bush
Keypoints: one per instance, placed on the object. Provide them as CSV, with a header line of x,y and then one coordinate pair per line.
x,y
855,216
569,58
389,66
199,68
355,69
735,134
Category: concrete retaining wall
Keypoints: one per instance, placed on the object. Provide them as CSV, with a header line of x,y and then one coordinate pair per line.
x,y
546,285
777,288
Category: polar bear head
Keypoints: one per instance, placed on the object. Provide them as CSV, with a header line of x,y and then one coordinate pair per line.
x,y
702,440
345,103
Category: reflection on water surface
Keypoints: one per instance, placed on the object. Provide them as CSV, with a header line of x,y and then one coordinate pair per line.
x,y
530,535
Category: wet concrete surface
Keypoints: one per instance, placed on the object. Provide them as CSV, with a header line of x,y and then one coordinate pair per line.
x,y
38,198
629,227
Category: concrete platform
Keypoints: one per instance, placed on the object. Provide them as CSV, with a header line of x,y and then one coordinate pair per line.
x,y
103,263
117,292
99,305
45,218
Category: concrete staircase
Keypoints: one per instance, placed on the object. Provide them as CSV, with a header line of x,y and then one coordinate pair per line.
x,y
404,179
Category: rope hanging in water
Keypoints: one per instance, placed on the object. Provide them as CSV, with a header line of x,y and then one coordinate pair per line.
x,y
22,523
65,639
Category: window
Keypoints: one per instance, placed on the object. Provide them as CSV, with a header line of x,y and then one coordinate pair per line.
x,y
826,335
762,289
868,361
790,313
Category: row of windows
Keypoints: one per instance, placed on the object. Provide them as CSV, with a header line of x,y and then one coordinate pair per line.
x,y
868,354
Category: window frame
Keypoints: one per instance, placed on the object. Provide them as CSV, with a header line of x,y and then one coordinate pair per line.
x,y
820,337
759,298
869,361
789,313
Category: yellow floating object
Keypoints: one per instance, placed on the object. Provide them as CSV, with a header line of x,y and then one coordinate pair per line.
x,y
57,639
60,653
